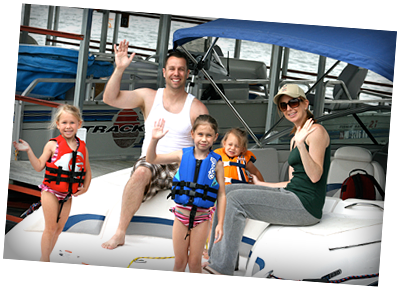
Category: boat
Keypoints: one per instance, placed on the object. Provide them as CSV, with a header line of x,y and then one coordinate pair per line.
x,y
343,248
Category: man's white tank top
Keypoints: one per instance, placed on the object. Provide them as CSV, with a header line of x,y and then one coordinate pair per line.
x,y
179,126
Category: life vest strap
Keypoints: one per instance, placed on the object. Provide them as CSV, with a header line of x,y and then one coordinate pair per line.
x,y
192,193
61,202
191,220
233,181
71,176
230,163
193,185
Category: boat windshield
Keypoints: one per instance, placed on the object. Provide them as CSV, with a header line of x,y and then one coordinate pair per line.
x,y
360,126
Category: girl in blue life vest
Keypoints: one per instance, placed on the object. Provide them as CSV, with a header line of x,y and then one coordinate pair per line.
x,y
70,153
198,183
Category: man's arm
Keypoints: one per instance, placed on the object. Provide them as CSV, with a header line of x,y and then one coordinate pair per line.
x,y
124,99
197,108
112,94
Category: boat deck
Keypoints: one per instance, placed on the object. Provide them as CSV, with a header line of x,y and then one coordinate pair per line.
x,y
22,171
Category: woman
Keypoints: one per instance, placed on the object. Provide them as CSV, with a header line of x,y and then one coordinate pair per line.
x,y
298,201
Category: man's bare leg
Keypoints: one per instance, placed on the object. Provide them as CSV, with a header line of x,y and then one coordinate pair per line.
x,y
133,194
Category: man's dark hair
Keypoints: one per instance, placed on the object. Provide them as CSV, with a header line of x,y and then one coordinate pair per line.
x,y
177,54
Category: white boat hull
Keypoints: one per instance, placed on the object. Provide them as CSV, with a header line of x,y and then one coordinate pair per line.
x,y
345,243
347,239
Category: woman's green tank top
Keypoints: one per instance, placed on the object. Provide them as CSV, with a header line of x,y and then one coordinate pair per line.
x,y
311,195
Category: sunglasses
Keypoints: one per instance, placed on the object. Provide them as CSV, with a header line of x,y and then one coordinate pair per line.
x,y
293,103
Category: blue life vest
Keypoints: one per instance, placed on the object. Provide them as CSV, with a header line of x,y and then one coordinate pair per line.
x,y
195,182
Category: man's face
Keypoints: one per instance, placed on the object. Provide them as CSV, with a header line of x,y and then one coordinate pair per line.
x,y
176,73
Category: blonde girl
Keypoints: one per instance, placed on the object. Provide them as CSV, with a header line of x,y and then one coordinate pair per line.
x,y
237,159
66,151
193,211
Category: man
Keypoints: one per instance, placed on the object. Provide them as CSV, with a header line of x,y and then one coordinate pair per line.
x,y
172,103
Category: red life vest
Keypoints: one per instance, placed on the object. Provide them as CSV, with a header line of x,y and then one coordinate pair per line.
x,y
66,173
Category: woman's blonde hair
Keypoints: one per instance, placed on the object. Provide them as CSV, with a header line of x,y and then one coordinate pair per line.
x,y
68,109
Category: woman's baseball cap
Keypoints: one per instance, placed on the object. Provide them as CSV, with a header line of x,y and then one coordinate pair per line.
x,y
292,90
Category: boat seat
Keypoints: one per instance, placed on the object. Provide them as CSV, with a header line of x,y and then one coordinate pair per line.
x,y
267,163
284,172
353,78
345,160
245,69
238,69
140,74
381,157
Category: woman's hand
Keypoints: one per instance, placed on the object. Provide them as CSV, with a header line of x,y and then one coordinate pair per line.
x,y
303,132
255,180
317,139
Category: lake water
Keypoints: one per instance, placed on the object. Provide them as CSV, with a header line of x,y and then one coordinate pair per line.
x,y
143,32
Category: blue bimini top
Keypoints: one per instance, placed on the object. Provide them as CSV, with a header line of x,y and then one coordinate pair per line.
x,y
370,49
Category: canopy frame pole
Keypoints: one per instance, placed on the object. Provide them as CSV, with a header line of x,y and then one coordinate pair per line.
x,y
275,70
209,50
224,98
161,49
320,91
81,88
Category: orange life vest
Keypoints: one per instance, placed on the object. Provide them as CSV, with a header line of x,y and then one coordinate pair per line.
x,y
235,168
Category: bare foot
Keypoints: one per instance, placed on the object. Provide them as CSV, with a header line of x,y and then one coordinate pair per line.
x,y
114,242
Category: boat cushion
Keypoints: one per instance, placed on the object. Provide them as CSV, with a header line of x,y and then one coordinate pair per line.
x,y
348,158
